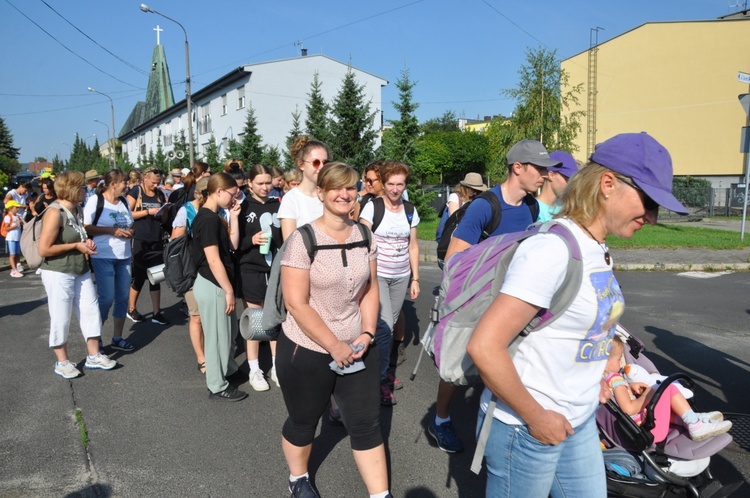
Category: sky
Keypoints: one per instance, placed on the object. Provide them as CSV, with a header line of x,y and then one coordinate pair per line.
x,y
461,53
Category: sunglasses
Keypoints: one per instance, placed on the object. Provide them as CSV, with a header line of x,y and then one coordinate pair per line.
x,y
370,181
317,163
155,171
648,202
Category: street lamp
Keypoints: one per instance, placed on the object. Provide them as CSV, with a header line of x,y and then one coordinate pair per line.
x,y
112,111
90,136
188,97
70,149
112,148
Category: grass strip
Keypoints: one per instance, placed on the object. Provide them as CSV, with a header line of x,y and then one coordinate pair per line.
x,y
82,428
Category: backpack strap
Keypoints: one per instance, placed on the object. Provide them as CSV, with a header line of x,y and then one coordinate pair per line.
x,y
378,205
308,237
99,208
484,436
533,205
497,213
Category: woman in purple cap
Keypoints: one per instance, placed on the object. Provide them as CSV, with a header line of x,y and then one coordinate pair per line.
x,y
544,440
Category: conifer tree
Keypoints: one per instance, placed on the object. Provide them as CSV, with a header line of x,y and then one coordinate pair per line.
x,y
160,159
400,142
352,133
317,122
6,142
295,132
252,148
212,155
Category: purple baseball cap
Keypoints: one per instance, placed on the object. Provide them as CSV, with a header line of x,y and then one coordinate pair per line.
x,y
567,166
647,162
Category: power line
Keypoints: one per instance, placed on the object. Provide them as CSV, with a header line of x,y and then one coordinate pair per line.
x,y
514,24
37,95
68,49
95,42
60,108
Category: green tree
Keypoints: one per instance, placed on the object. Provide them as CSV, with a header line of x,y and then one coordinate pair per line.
x,y
160,159
352,132
271,156
317,121
180,145
234,149
212,155
399,142
295,132
445,123
543,93
6,142
500,136
431,157
252,148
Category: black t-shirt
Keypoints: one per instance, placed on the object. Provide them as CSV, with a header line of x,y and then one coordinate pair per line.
x,y
148,228
209,229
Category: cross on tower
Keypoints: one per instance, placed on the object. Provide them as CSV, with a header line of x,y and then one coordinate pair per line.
x,y
158,30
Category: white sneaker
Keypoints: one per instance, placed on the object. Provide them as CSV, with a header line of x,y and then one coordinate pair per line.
x,y
16,274
257,381
38,271
101,362
19,268
704,430
711,416
272,376
66,369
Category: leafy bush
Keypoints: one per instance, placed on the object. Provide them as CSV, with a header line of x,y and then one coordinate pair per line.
x,y
692,192
421,200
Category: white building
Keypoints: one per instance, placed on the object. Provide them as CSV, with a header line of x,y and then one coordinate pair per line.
x,y
274,90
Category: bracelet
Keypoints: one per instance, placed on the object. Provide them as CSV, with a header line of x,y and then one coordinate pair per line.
x,y
372,337
415,280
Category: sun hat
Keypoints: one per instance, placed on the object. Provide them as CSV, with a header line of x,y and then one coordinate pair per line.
x,y
201,184
176,172
473,181
567,166
641,158
185,171
12,204
92,174
530,152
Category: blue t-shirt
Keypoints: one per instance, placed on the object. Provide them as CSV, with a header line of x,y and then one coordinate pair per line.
x,y
547,212
479,214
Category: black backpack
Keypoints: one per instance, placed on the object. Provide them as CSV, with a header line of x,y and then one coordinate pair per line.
x,y
497,214
274,309
100,206
378,205
179,265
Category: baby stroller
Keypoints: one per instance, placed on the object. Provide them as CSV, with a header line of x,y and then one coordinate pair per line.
x,y
638,467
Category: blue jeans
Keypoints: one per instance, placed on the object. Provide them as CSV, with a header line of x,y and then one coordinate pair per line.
x,y
519,465
112,285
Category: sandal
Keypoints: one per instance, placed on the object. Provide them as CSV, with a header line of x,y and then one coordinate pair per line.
x,y
202,368
121,344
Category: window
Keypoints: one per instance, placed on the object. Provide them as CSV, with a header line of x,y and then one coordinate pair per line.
x,y
241,97
224,105
204,119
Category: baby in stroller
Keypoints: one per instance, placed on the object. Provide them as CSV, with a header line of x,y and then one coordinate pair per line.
x,y
671,408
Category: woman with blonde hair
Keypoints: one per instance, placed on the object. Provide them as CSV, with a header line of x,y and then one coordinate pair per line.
x,y
333,308
213,243
543,439
301,205
65,246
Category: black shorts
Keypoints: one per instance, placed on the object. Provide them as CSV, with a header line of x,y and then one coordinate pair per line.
x,y
254,285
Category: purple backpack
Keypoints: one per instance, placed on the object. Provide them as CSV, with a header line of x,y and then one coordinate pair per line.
x,y
471,281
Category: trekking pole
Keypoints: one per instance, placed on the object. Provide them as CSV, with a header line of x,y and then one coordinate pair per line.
x,y
427,337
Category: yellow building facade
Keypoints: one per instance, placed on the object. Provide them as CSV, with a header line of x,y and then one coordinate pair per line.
x,y
678,82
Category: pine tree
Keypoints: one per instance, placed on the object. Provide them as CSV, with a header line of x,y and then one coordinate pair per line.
x,y
405,131
234,150
352,133
181,145
160,159
295,132
212,155
317,122
6,142
271,156
252,148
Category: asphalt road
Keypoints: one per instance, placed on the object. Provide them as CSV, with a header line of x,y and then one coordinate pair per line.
x,y
153,432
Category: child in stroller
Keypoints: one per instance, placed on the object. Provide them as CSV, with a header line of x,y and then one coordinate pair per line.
x,y
673,408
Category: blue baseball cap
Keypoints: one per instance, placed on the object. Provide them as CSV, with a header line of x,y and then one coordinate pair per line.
x,y
567,166
647,162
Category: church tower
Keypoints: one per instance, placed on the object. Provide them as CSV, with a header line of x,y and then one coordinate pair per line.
x,y
159,96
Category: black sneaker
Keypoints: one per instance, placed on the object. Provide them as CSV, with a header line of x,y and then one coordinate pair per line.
x,y
301,488
159,319
228,394
135,316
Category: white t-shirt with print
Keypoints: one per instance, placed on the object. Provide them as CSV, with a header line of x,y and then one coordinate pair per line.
x,y
300,207
561,364
392,238
113,216
14,234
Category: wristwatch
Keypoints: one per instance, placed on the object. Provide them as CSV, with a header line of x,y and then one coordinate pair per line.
x,y
372,337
